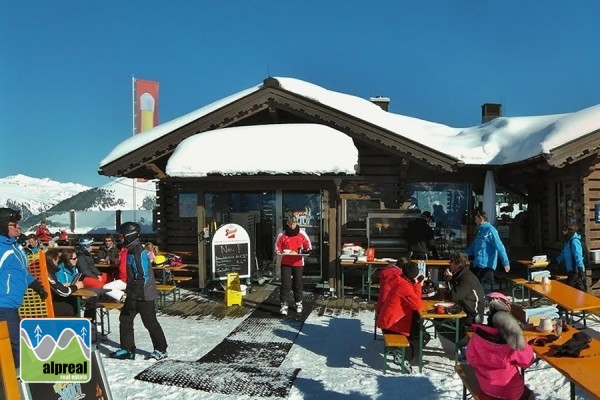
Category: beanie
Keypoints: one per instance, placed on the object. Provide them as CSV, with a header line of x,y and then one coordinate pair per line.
x,y
410,270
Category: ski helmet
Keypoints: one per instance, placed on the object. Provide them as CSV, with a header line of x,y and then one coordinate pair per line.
x,y
130,231
85,241
7,216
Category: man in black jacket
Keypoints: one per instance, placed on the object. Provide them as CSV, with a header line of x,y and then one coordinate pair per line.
x,y
141,294
420,237
464,289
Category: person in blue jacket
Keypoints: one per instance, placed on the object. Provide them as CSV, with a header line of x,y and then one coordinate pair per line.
x,y
572,256
15,277
486,249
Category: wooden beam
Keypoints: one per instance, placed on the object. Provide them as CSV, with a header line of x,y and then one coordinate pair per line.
x,y
154,168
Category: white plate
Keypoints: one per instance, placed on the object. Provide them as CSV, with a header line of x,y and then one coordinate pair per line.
x,y
391,260
443,304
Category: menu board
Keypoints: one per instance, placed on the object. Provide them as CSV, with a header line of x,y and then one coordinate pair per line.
x,y
230,252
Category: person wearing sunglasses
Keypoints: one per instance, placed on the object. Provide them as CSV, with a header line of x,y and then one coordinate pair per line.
x,y
66,269
15,277
64,303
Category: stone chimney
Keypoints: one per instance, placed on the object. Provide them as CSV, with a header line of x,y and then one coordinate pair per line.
x,y
382,102
490,111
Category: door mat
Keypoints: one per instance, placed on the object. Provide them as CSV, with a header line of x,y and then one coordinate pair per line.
x,y
247,361
244,353
239,380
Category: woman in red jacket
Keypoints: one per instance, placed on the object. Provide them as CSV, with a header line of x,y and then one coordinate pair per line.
x,y
400,301
290,244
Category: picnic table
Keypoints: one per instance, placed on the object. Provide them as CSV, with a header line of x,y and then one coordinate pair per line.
x,y
85,293
165,269
367,269
568,298
428,318
580,370
531,266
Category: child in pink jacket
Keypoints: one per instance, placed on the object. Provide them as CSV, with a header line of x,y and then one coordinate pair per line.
x,y
498,351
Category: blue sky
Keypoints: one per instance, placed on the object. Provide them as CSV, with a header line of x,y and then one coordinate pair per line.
x,y
66,66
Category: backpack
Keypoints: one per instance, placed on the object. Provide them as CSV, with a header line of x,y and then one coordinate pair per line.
x,y
585,254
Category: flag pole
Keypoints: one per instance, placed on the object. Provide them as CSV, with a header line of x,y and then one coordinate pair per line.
x,y
133,125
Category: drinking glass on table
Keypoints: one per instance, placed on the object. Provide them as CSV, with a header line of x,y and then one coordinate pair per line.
x,y
557,327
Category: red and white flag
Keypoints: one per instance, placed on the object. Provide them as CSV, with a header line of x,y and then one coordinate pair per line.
x,y
146,105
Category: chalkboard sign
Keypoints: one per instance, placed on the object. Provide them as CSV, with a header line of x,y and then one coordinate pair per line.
x,y
96,389
230,252
231,258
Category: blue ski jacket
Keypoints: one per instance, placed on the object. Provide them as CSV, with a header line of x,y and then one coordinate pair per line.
x,y
15,277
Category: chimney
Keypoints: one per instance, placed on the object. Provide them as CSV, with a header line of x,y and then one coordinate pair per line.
x,y
490,111
382,102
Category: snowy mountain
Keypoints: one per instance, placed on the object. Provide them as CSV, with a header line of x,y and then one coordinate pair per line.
x,y
34,196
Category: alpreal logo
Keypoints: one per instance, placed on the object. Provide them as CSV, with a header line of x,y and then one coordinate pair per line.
x,y
56,350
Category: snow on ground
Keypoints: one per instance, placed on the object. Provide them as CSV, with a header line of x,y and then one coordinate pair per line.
x,y
337,354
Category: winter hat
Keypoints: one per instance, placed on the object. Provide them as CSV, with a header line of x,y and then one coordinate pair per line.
x,y
410,270
498,302
7,216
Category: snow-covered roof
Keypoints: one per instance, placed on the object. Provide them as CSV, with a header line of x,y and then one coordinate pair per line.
x,y
271,149
501,141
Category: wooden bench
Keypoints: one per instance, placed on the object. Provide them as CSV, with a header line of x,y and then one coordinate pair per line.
x,y
395,344
466,373
517,285
163,293
103,308
177,282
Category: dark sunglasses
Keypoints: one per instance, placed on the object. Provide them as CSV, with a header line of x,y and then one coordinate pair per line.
x,y
74,258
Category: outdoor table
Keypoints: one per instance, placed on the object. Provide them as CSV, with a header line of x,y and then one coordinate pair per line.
x,y
530,265
165,269
446,321
85,293
581,370
568,298
367,271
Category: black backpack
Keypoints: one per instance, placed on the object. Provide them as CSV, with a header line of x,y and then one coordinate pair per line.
x,y
586,254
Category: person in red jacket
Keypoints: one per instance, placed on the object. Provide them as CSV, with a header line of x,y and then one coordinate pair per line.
x,y
43,233
289,244
400,301
498,351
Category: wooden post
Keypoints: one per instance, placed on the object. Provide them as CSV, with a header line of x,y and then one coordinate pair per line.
x,y
7,365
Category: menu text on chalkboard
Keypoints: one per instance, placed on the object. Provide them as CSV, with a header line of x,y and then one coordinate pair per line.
x,y
231,258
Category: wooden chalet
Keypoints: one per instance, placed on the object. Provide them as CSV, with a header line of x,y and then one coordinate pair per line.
x,y
561,186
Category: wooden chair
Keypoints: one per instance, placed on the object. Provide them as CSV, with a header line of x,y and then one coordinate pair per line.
x,y
33,306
